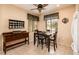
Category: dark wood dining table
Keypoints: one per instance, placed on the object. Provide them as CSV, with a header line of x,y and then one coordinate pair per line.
x,y
47,36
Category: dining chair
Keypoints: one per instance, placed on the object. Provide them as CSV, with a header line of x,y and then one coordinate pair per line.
x,y
52,40
35,36
41,38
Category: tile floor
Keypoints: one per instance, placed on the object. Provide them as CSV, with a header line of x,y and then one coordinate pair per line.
x,y
34,50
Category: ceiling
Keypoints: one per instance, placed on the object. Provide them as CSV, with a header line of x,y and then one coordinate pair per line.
x,y
48,9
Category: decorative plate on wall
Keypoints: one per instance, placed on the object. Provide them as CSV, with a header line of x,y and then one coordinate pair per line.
x,y
65,20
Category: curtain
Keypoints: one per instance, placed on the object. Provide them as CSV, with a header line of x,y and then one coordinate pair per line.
x,y
51,16
51,21
32,17
32,21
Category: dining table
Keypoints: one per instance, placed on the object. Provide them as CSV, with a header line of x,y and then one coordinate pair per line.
x,y
47,36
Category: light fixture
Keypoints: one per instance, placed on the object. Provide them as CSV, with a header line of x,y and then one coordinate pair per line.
x,y
40,7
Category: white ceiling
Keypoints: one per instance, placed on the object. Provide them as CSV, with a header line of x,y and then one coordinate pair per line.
x,y
48,9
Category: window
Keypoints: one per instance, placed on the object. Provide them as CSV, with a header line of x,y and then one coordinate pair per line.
x,y
34,25
51,22
48,24
32,22
51,25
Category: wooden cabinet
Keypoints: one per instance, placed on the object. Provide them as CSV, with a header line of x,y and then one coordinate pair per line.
x,y
14,38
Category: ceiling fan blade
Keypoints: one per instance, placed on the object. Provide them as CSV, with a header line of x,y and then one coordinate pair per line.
x,y
34,9
44,5
35,5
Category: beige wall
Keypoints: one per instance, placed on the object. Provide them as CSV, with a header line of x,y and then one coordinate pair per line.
x,y
77,7
41,23
11,12
0,18
0,26
64,30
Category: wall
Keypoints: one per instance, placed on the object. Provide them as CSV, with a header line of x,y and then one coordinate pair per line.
x,y
77,7
64,30
11,12
0,26
41,23
0,18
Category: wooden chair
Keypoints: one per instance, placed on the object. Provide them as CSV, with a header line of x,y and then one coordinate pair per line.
x,y
35,36
41,38
52,40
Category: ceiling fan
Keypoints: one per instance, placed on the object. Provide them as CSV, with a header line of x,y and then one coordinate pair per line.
x,y
40,7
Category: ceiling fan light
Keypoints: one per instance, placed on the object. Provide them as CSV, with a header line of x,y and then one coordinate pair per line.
x,y
40,7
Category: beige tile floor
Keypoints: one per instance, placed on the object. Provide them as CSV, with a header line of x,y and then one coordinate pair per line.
x,y
34,50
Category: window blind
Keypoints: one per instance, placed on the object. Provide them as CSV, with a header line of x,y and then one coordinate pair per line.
x,y
51,16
